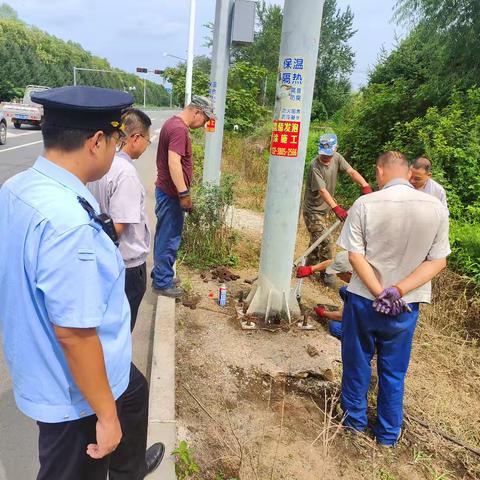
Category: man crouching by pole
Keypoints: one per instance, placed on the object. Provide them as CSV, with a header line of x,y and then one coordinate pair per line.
x,y
397,239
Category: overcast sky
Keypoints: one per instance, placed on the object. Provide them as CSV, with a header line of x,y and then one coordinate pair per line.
x,y
137,33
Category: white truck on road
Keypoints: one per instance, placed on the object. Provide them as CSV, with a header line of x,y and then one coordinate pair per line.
x,y
27,112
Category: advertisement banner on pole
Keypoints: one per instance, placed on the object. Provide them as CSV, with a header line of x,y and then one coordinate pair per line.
x,y
285,138
288,111
210,126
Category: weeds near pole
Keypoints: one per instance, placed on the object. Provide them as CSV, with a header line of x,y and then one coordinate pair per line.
x,y
208,238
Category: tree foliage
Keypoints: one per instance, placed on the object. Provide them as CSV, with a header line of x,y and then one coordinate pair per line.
x,y
30,56
336,61
335,57
7,12
260,61
200,78
423,99
244,84
450,137
452,41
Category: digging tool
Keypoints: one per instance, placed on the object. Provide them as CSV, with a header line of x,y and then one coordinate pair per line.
x,y
315,244
300,261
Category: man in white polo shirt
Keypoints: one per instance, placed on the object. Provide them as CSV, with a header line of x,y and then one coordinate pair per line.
x,y
421,179
397,239
121,195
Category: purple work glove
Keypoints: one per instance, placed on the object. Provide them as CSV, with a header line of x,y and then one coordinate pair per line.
x,y
390,302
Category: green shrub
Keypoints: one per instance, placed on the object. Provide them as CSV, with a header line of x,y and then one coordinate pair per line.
x,y
208,238
450,137
465,244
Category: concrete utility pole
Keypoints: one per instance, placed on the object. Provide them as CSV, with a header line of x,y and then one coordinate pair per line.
x,y
272,292
218,91
191,37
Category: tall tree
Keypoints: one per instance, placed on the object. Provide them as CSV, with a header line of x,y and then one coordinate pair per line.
x,y
452,40
31,56
7,12
335,59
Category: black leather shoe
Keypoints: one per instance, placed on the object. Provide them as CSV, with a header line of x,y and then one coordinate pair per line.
x,y
154,456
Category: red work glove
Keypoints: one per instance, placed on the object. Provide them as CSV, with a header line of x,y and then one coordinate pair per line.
x,y
320,311
304,271
340,213
366,190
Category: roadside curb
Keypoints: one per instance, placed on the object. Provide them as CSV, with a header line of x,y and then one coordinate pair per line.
x,y
161,420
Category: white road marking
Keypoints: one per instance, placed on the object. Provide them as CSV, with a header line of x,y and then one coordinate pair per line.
x,y
11,134
154,138
20,146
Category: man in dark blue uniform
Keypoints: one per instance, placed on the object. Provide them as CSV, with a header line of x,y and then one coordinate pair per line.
x,y
64,315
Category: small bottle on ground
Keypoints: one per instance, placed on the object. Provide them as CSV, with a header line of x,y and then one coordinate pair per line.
x,y
222,295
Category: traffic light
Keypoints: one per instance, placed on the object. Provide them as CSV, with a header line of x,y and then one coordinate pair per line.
x,y
142,70
158,72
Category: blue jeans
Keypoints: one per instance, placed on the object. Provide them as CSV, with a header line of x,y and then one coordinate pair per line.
x,y
364,331
168,234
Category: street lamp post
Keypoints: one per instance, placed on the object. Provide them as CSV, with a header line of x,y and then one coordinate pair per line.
x,y
189,75
81,69
191,34
165,54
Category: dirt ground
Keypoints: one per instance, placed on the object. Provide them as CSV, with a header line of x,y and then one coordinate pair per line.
x,y
262,404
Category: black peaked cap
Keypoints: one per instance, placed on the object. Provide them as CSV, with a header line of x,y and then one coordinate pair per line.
x,y
85,108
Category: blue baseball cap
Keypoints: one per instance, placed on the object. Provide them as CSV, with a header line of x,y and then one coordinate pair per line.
x,y
327,144
84,108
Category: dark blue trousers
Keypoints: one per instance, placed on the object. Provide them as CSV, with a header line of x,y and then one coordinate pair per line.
x,y
364,331
334,327
168,234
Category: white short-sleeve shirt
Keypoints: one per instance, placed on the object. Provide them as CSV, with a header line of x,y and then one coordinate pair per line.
x,y
397,229
434,188
121,195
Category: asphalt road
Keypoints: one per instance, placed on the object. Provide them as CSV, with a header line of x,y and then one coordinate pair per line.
x,y
18,434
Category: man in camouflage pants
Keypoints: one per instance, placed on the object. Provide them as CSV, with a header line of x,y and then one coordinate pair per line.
x,y
318,201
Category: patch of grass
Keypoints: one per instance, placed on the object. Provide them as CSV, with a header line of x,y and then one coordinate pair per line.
x,y
385,475
425,460
443,384
247,251
221,476
247,159
185,465
465,243
187,286
208,238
